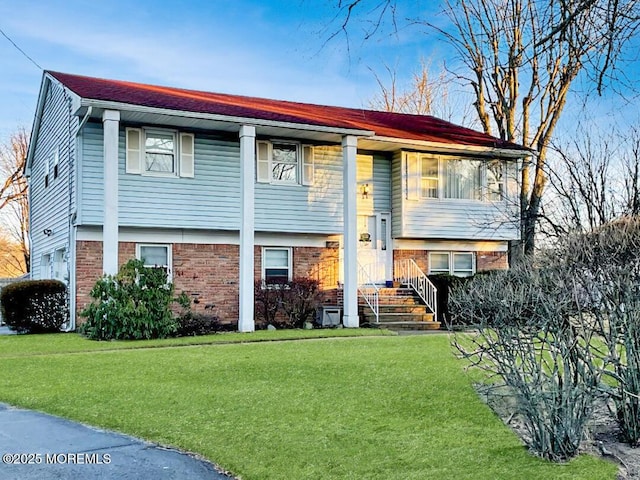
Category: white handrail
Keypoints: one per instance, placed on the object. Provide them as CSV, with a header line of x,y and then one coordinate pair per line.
x,y
408,272
369,290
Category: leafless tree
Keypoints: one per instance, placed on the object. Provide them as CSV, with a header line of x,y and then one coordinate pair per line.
x,y
14,202
521,58
594,178
425,93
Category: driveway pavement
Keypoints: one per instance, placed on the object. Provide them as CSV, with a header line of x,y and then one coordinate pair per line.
x,y
34,446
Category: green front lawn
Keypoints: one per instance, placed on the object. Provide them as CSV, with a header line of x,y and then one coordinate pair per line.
x,y
361,408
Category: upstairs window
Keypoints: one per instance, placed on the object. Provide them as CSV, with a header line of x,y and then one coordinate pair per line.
x,y
282,162
159,152
462,179
495,180
430,177
456,178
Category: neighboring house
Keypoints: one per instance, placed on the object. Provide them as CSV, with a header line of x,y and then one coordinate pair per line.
x,y
222,190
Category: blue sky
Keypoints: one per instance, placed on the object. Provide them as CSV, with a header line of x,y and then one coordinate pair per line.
x,y
273,49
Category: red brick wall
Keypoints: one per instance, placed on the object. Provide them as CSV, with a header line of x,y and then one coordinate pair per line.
x,y
211,271
421,257
492,261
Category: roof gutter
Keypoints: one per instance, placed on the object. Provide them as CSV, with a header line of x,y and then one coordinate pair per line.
x,y
453,148
107,105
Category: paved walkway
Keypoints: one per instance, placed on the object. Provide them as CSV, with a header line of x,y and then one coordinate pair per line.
x,y
61,449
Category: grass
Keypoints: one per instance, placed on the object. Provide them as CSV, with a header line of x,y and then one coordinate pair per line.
x,y
28,345
359,408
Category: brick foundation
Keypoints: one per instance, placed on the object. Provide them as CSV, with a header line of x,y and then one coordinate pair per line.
x,y
208,273
492,261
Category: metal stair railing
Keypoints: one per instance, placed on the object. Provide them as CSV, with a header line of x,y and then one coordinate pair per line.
x,y
407,271
369,291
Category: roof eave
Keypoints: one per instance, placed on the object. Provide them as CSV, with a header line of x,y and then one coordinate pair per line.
x,y
454,147
109,105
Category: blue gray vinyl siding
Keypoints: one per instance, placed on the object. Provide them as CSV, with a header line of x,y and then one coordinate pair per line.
x,y
452,218
52,206
396,195
381,183
211,200
305,209
374,171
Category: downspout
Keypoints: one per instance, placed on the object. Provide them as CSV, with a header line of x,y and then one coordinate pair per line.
x,y
73,215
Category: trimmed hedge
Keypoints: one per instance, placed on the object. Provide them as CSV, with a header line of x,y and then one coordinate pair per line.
x,y
35,306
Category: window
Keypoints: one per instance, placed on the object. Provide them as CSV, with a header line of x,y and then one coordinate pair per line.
x,y
276,265
56,160
495,180
59,265
438,263
46,173
45,266
430,177
461,178
284,163
159,152
155,256
461,264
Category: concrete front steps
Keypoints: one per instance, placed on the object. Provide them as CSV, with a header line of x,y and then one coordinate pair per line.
x,y
400,309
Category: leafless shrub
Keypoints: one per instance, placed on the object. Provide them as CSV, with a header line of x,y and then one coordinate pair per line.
x,y
530,336
607,266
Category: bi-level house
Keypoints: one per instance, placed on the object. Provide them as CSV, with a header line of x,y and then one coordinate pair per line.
x,y
223,190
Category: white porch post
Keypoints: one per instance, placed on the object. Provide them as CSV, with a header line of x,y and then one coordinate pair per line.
x,y
247,225
349,149
110,122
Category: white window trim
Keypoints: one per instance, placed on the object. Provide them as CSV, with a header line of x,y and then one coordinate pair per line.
x,y
183,160
450,255
143,151
305,163
484,188
289,251
48,273
169,265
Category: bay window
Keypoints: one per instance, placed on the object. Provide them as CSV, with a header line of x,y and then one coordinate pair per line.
x,y
461,178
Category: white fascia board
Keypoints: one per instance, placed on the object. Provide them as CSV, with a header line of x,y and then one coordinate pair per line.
x,y
454,148
224,118
47,81
451,245
35,127
168,235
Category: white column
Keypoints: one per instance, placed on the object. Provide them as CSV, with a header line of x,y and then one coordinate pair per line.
x,y
349,150
247,225
110,123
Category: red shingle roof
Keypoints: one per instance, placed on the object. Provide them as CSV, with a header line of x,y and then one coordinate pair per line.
x,y
384,124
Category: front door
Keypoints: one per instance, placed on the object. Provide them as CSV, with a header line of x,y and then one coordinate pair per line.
x,y
375,253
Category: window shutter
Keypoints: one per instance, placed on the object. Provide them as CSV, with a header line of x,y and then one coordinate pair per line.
x,y
308,165
134,150
412,173
263,162
187,157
